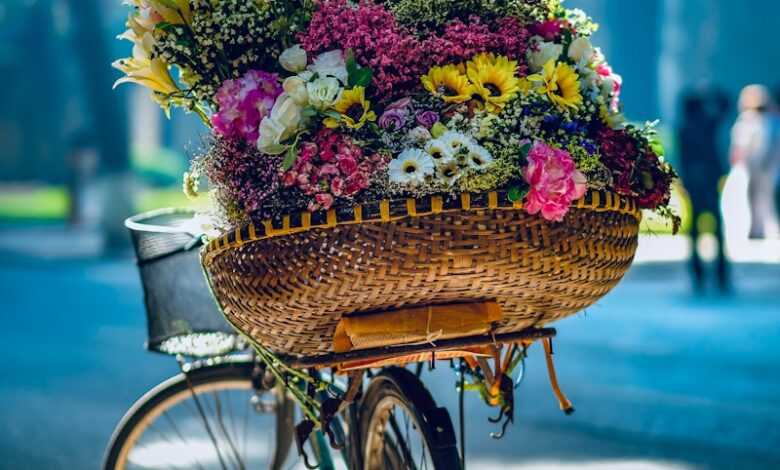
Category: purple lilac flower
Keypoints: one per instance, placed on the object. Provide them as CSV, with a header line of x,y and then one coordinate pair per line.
x,y
244,102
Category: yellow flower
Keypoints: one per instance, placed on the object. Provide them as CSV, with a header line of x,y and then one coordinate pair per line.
x,y
560,83
448,83
151,73
494,78
354,109
170,11
142,69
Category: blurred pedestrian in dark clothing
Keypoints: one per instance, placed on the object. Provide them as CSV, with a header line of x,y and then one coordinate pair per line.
x,y
701,166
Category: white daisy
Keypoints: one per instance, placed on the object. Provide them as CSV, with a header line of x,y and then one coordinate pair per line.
x,y
478,157
449,172
411,167
439,151
456,140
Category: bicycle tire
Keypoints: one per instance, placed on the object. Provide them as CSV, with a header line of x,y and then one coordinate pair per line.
x,y
399,387
175,390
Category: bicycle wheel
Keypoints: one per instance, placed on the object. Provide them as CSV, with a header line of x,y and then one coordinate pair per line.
x,y
211,418
402,429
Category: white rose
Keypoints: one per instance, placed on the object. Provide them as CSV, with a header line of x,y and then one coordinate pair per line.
x,y
294,59
270,137
286,112
542,53
581,51
296,88
279,125
330,64
323,92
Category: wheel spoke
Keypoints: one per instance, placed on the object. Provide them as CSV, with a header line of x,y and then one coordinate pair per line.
x,y
401,442
221,421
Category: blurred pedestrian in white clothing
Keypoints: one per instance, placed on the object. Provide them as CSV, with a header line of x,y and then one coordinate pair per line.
x,y
755,146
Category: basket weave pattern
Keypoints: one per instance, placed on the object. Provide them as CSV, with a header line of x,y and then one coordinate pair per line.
x,y
289,291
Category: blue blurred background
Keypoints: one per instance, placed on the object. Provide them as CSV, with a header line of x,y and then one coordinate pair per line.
x,y
665,372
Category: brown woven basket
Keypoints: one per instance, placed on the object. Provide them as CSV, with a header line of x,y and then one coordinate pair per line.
x,y
287,282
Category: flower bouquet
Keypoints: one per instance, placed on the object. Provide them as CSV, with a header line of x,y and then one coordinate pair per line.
x,y
373,155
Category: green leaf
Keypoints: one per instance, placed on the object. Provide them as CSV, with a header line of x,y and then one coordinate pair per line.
x,y
516,193
332,114
524,150
308,112
289,159
357,75
658,147
362,78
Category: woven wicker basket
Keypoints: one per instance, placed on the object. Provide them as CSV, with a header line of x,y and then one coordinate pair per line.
x,y
286,283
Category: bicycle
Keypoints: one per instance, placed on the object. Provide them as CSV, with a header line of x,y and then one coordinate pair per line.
x,y
217,412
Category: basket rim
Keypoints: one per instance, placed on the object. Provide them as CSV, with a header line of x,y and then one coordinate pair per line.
x,y
391,210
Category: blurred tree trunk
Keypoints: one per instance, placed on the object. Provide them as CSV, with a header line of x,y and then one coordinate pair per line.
x,y
106,109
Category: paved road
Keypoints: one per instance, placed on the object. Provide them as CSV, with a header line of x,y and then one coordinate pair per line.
x,y
660,379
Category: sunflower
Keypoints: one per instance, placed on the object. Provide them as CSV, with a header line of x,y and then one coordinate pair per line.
x,y
448,83
560,83
494,78
353,108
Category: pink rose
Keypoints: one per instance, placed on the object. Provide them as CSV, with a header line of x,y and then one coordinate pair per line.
x,y
555,182
324,200
356,183
303,179
289,179
337,186
308,151
329,169
347,164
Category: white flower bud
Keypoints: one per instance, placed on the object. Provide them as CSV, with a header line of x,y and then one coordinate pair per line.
x,y
296,88
294,59
581,50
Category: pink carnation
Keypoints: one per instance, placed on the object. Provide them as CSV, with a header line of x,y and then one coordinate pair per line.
x,y
554,180
244,102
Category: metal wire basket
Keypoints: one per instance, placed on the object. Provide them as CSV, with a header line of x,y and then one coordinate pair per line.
x,y
182,317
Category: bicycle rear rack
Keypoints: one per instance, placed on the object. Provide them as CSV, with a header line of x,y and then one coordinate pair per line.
x,y
388,352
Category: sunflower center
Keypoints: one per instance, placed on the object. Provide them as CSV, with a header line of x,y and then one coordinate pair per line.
x,y
355,112
477,160
449,172
446,90
410,168
436,154
493,89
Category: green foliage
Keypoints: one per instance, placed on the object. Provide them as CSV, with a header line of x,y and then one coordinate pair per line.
x,y
357,75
